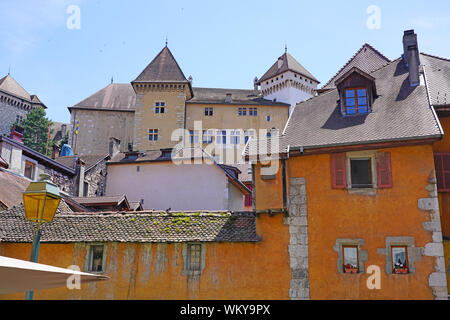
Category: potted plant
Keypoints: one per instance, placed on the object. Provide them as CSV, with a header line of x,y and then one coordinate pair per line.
x,y
350,268
400,268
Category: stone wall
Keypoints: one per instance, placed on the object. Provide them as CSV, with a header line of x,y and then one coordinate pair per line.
x,y
96,179
437,280
9,115
298,244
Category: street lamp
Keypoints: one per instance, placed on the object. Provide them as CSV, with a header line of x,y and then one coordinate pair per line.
x,y
40,201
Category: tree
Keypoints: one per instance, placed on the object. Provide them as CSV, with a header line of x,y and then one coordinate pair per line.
x,y
35,131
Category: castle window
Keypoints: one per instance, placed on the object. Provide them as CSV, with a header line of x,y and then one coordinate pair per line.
x,y
252,112
268,118
242,111
221,137
160,107
153,134
249,134
208,111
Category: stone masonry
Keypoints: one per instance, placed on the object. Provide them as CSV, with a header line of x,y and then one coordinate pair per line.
x,y
437,280
298,244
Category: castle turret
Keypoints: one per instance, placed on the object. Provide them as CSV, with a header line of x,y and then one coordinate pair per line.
x,y
288,81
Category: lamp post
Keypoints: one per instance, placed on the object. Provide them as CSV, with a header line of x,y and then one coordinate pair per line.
x,y
40,201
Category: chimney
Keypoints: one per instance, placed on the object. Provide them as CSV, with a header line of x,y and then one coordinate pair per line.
x,y
80,170
228,98
411,56
55,151
190,79
114,147
63,130
255,84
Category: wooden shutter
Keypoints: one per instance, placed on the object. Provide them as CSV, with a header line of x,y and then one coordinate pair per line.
x,y
442,167
384,174
338,172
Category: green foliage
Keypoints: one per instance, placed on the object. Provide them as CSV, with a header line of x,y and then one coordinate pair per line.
x,y
35,130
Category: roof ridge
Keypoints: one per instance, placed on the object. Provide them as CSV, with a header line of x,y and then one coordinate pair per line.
x,y
434,56
365,45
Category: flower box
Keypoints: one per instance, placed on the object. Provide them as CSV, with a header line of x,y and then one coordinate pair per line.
x,y
351,270
401,270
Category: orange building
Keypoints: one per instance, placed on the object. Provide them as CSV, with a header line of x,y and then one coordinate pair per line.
x,y
158,255
357,178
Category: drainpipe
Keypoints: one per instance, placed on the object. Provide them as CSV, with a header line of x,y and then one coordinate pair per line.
x,y
283,172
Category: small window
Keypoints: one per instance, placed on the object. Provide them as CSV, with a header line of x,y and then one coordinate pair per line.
x,y
221,137
399,259
248,134
194,257
351,263
252,112
208,136
361,173
268,118
96,258
356,101
160,107
29,170
235,136
194,136
208,112
153,134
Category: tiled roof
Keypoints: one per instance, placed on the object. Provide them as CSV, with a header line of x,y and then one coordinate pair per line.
x,y
163,68
367,58
144,226
289,64
238,96
115,96
11,188
89,160
400,112
437,72
9,85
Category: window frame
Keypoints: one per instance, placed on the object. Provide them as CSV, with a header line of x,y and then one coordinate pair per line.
x,y
373,167
160,107
90,255
154,134
209,111
343,256
392,258
187,267
356,106
33,169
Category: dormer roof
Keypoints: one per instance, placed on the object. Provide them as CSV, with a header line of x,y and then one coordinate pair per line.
x,y
284,63
366,59
356,71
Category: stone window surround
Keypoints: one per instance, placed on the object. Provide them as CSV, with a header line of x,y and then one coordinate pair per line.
x,y
414,254
35,169
186,271
362,254
165,107
87,260
373,164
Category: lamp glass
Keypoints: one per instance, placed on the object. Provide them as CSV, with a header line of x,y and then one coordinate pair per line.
x,y
41,200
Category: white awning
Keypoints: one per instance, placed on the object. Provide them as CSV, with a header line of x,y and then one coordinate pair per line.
x,y
21,276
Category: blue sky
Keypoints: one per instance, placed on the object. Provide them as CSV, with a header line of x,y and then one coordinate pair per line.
x,y
222,44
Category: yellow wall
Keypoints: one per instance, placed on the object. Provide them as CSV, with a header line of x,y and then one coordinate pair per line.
x,y
232,270
226,116
146,118
334,213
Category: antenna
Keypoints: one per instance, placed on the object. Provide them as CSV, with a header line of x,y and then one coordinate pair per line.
x,y
112,80
166,41
285,48
9,69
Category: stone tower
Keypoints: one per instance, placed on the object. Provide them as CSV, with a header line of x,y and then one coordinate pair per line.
x,y
161,94
287,81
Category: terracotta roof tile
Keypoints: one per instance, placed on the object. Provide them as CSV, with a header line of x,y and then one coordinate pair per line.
x,y
145,226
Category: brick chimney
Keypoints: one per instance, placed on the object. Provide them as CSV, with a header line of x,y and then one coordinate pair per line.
x,y
411,56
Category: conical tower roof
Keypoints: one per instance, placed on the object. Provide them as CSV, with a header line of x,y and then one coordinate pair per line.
x,y
10,85
288,64
163,68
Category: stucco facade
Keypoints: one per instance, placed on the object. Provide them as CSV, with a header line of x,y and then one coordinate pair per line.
x,y
163,185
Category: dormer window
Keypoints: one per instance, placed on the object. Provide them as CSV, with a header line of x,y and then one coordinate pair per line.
x,y
357,92
356,101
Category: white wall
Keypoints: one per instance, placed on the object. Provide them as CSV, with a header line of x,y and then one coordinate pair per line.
x,y
235,198
166,185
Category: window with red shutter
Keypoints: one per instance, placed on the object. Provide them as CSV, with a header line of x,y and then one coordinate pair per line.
x,y
384,174
338,172
442,168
